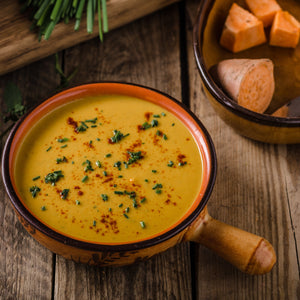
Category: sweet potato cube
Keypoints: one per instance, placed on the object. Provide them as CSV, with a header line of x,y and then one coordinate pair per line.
x,y
285,30
264,10
242,30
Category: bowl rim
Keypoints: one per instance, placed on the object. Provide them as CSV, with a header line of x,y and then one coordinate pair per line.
x,y
130,246
217,93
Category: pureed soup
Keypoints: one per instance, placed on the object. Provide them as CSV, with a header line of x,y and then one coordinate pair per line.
x,y
109,169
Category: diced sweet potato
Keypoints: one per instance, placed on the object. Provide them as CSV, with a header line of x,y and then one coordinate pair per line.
x,y
264,10
242,30
250,82
285,30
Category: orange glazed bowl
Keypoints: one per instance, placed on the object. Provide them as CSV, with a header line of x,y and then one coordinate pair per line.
x,y
208,53
250,253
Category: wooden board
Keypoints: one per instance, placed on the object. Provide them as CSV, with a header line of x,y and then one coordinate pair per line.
x,y
19,46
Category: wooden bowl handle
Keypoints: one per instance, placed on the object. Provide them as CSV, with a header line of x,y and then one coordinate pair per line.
x,y
250,253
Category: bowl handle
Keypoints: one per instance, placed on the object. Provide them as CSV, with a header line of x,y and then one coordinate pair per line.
x,y
250,253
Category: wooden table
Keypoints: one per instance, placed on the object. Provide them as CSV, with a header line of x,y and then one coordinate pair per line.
x,y
257,187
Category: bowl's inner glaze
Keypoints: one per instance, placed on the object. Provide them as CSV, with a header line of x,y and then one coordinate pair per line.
x,y
286,60
108,206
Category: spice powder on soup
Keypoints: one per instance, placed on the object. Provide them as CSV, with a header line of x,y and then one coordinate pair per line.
x,y
109,169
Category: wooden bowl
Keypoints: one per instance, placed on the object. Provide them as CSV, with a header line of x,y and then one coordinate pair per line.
x,y
250,253
208,52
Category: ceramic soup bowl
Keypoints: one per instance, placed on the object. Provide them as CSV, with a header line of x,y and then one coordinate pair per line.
x,y
248,252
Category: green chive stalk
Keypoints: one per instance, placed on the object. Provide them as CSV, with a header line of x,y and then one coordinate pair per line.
x,y
45,14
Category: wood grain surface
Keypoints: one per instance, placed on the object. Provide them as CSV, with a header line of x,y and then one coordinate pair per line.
x,y
257,187
19,45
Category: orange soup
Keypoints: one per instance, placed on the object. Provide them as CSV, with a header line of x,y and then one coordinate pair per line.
x,y
109,169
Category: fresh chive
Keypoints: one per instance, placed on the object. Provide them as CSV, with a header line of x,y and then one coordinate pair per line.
x,y
97,139
121,204
118,136
170,163
64,146
84,179
98,164
163,114
104,197
36,178
143,200
109,209
119,192
142,224
108,155
158,191
165,137
154,171
120,176
43,208
157,186
104,173
48,149
34,190
104,16
53,177
134,203
64,194
94,223
63,140
173,124
154,123
77,202
93,126
92,120
146,180
127,209
156,116
125,216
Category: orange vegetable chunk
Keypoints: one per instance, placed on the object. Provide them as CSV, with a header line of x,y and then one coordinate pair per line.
x,y
264,10
250,82
285,30
242,30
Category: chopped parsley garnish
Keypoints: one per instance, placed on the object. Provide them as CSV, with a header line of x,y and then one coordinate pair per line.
x,y
118,136
134,156
63,140
84,179
64,194
118,165
61,160
34,190
154,123
53,177
88,166
36,178
104,197
170,164
157,186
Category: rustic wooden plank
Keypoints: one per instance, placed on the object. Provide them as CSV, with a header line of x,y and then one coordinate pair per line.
x,y
20,46
145,52
256,190
25,265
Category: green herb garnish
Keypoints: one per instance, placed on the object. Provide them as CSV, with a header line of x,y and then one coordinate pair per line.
x,y
118,136
157,186
88,166
142,224
61,160
53,177
77,202
85,178
134,156
119,192
34,190
170,164
98,164
125,216
108,155
36,178
104,197
63,140
48,149
43,208
64,194
104,173
92,120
